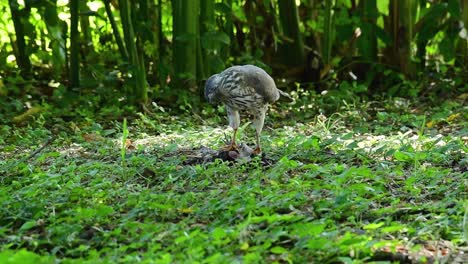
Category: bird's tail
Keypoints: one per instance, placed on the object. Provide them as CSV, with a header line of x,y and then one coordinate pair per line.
x,y
285,94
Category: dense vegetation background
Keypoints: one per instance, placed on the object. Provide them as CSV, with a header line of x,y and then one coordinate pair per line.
x,y
162,50
103,127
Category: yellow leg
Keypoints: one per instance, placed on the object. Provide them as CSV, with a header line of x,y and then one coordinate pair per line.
x,y
232,145
258,149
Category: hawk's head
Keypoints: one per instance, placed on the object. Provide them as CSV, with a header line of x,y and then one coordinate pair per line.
x,y
211,87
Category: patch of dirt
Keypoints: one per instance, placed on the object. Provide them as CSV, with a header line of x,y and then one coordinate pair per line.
x,y
425,252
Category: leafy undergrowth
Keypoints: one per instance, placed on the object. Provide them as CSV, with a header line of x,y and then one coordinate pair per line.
x,y
362,182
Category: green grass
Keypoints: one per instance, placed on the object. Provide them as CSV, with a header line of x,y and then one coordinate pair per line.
x,y
358,183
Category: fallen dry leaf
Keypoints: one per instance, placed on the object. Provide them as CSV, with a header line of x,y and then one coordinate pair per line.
x,y
92,137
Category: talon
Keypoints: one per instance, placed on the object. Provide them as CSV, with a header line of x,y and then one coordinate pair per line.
x,y
257,151
231,147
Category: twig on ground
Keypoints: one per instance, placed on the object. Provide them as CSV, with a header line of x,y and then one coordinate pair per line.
x,y
30,156
35,152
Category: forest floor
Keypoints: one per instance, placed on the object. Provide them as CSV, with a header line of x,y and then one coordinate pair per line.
x,y
362,182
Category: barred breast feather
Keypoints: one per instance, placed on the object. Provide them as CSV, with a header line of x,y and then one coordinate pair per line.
x,y
247,87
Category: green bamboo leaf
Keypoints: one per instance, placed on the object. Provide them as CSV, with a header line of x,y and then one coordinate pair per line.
x,y
453,7
428,28
447,48
223,8
210,39
346,3
215,62
382,6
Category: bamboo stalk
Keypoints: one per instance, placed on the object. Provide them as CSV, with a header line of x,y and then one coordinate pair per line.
x,y
115,30
463,44
367,42
293,53
56,33
405,36
74,45
86,37
327,32
229,29
185,41
22,59
139,84
207,24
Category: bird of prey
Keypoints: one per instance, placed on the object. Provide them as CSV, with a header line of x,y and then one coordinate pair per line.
x,y
243,88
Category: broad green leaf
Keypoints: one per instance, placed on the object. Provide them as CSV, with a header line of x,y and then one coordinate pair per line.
x,y
278,250
311,229
350,239
218,233
244,246
447,48
319,244
373,226
393,228
403,156
210,39
346,260
311,143
104,210
382,6
24,257
28,225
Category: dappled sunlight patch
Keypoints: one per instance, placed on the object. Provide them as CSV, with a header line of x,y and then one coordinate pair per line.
x,y
73,150
187,138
